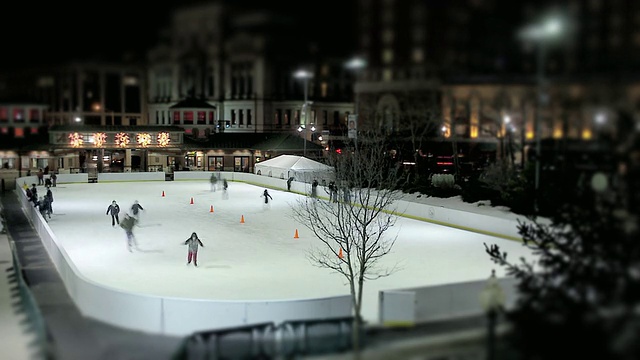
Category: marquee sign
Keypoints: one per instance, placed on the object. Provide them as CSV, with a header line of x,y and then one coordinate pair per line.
x,y
116,139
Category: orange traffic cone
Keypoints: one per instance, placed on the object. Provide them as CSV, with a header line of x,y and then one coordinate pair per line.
x,y
242,220
296,235
191,201
340,254
162,193
211,209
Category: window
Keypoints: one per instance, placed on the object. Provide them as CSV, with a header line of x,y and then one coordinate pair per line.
x,y
233,117
188,117
249,117
241,116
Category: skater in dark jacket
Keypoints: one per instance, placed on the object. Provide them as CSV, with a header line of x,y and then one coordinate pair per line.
x,y
127,224
44,206
34,194
135,209
193,241
114,210
266,196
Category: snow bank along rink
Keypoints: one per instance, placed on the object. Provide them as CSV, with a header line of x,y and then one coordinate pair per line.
x,y
255,260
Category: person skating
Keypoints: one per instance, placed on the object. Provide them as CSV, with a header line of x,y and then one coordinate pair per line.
x,y
40,175
127,224
53,177
49,197
266,196
214,182
289,181
34,194
44,206
314,188
193,241
135,210
114,210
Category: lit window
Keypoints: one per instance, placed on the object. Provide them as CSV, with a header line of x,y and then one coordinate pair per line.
x,y
130,80
323,89
418,55
387,75
387,37
387,56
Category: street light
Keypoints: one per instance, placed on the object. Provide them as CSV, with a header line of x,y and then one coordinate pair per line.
x,y
302,128
543,33
355,64
304,75
492,299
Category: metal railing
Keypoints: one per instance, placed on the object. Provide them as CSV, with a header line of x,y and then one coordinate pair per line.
x,y
31,308
288,340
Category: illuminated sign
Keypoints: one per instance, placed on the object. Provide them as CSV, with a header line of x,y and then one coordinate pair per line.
x,y
122,139
143,139
164,139
99,139
76,139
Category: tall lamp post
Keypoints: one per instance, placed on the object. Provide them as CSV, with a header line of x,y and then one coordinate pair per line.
x,y
543,34
492,299
355,64
304,75
303,128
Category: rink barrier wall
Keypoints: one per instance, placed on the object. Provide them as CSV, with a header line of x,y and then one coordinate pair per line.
x,y
411,306
135,176
166,315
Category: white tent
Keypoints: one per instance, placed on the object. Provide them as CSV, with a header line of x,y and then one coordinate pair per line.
x,y
299,167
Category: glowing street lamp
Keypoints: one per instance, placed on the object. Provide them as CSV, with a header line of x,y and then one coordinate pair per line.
x,y
543,33
304,75
303,128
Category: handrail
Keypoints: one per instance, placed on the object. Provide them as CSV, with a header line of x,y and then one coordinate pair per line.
x,y
31,307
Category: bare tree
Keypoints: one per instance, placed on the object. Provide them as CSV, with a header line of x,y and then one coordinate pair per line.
x,y
352,227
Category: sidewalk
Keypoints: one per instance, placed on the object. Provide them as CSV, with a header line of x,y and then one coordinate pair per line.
x,y
17,340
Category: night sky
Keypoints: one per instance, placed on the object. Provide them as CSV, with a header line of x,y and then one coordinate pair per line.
x,y
55,32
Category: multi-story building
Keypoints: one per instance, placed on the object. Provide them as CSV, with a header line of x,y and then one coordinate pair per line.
x,y
216,70
461,67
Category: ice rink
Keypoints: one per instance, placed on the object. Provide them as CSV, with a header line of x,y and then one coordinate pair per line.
x,y
257,259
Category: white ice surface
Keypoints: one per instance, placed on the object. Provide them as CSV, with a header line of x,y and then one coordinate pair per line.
x,y
257,259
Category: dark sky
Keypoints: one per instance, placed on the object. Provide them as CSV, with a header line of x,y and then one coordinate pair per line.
x,y
53,31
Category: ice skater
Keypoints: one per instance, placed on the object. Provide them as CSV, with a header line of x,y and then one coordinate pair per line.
x,y
225,187
45,208
127,224
193,241
135,210
214,182
289,181
114,210
267,197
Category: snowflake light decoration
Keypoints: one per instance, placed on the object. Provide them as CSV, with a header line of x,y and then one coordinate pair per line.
x,y
99,139
122,139
76,139
163,139
143,139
